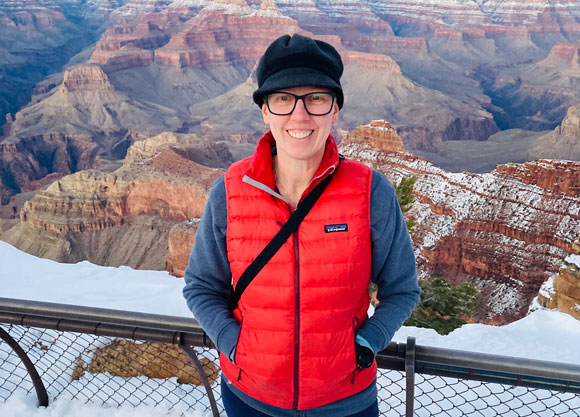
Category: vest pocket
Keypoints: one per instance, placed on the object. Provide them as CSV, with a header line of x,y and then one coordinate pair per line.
x,y
356,369
236,353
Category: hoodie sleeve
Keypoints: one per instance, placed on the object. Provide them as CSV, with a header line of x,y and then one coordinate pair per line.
x,y
208,276
393,266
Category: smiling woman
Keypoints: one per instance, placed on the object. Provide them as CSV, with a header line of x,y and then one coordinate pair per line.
x,y
300,136
296,335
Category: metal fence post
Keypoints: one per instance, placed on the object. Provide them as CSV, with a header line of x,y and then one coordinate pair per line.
x,y
41,393
410,376
191,353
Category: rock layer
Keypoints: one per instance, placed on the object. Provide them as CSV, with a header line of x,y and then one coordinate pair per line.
x,y
119,218
35,161
507,230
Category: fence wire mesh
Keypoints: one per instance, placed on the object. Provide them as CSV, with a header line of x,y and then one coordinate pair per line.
x,y
115,371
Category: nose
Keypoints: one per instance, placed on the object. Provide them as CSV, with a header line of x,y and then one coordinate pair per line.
x,y
300,110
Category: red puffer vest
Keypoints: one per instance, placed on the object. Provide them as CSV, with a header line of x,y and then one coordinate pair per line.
x,y
300,314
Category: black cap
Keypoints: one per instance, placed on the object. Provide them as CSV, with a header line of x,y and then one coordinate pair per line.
x,y
298,61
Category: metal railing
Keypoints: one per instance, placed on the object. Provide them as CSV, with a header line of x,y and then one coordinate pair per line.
x,y
116,357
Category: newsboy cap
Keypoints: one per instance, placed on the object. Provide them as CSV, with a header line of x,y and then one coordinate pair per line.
x,y
294,61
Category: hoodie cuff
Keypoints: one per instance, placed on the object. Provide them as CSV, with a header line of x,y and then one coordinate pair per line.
x,y
374,337
227,338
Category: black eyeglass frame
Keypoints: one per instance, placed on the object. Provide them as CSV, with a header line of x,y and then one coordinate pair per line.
x,y
296,98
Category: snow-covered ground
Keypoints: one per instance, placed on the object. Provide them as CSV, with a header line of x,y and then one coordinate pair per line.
x,y
545,335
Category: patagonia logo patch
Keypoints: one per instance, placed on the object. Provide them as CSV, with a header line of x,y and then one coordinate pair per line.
x,y
333,228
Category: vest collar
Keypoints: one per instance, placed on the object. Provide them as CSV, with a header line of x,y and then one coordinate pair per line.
x,y
261,171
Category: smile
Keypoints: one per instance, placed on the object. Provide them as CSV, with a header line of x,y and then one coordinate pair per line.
x,y
299,134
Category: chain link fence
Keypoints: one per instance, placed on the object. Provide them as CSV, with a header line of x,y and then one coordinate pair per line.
x,y
114,371
108,371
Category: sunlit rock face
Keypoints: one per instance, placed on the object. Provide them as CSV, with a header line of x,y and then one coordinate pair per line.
x,y
507,230
562,290
379,134
180,243
123,217
564,141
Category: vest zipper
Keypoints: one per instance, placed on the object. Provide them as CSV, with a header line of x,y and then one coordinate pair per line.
x,y
296,319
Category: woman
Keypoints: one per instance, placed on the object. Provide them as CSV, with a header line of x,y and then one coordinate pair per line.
x,y
299,342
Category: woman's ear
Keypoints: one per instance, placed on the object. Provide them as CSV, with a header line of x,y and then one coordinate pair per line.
x,y
335,113
265,113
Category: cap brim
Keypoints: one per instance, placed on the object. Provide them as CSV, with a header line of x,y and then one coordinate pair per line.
x,y
296,77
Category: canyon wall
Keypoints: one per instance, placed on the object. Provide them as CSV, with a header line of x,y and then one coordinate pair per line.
x,y
119,218
507,230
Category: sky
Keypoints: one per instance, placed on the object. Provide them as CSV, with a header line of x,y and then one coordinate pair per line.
x,y
543,334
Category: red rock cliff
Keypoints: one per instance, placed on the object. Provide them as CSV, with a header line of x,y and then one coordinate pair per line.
x,y
379,134
507,230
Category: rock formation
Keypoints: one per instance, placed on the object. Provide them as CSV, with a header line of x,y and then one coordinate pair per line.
x,y
562,53
181,238
35,161
562,290
537,16
82,120
119,218
564,141
423,117
129,45
507,230
379,134
38,38
129,359
87,102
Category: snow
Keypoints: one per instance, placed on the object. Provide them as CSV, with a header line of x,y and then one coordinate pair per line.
x,y
24,276
543,334
573,259
25,405
547,288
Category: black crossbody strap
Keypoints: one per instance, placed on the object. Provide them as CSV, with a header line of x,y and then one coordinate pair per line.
x,y
277,241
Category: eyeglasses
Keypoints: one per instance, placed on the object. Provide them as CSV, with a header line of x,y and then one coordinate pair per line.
x,y
316,103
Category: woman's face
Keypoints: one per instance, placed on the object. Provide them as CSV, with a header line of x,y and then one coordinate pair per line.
x,y
299,135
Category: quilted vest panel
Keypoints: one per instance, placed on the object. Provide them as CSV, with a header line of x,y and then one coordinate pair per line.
x,y
300,313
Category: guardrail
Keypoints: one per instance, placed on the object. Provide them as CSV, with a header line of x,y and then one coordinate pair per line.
x,y
117,357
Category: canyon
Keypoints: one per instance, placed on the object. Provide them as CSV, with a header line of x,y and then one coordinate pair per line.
x,y
507,230
119,114
125,70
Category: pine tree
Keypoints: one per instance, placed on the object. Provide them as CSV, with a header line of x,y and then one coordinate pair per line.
x,y
404,190
443,306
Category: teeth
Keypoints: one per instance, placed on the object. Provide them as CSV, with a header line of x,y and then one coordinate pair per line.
x,y
300,135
